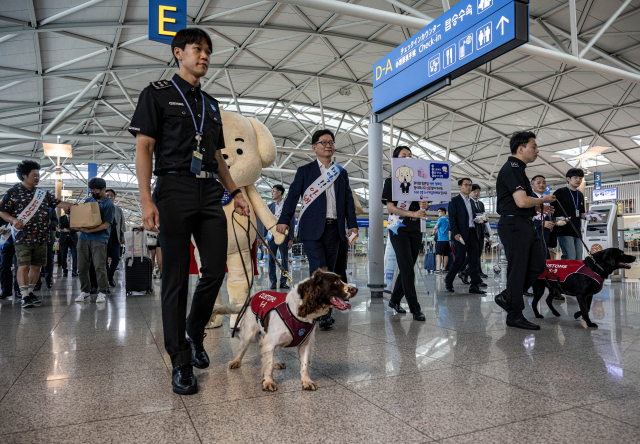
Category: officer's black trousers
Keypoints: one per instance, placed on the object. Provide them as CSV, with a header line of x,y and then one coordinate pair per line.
x,y
406,245
189,206
525,260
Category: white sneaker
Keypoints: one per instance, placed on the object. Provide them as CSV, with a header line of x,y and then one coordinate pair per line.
x,y
83,297
101,298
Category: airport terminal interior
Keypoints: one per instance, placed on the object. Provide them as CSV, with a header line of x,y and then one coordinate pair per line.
x,y
72,73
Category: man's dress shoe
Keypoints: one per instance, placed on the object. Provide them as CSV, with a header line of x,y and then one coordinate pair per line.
x,y
523,323
183,380
199,357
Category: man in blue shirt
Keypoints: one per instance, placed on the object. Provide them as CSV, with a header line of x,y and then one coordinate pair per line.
x,y
443,248
92,242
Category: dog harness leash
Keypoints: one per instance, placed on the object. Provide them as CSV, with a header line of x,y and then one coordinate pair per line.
x,y
266,301
560,270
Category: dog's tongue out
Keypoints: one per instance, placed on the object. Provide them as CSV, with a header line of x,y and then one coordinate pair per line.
x,y
339,303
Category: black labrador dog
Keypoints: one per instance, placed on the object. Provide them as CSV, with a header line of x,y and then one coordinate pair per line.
x,y
583,287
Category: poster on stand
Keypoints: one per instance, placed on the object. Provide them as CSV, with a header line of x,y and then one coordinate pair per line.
x,y
420,179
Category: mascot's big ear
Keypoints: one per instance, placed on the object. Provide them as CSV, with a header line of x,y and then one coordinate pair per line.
x,y
265,141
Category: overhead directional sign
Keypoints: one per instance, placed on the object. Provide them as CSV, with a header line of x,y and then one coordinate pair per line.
x,y
468,35
166,18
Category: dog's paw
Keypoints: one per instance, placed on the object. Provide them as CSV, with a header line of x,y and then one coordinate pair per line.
x,y
234,364
269,386
592,325
280,365
309,385
577,314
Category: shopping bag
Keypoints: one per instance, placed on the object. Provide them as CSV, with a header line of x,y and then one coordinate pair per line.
x,y
86,215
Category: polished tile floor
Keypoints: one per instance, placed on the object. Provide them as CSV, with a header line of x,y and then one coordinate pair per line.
x,y
81,372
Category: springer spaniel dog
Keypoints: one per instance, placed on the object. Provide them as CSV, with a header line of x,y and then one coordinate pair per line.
x,y
288,320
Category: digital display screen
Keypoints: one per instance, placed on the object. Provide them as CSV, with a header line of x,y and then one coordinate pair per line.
x,y
605,194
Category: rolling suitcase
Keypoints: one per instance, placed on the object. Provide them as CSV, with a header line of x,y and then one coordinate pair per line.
x,y
138,273
430,262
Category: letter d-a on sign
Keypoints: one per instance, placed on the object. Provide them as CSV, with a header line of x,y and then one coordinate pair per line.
x,y
166,18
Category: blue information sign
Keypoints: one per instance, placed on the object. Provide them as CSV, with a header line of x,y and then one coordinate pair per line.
x,y
597,178
166,18
468,35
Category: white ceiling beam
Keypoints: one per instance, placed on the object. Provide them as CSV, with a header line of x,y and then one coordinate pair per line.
x,y
604,27
72,103
573,26
68,12
411,10
123,89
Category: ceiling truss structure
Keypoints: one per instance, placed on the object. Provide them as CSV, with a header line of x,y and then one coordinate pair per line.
x,y
75,71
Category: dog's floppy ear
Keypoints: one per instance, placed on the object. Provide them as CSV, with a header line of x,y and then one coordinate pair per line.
x,y
310,291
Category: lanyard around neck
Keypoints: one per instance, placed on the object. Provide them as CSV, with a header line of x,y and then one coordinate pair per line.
x,y
576,200
198,131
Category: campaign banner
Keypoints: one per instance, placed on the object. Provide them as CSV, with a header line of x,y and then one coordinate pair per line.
x,y
420,179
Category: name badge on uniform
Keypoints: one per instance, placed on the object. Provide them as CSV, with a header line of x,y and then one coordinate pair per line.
x,y
577,213
196,163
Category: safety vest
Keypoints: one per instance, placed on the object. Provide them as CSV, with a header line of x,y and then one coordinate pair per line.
x,y
560,270
266,301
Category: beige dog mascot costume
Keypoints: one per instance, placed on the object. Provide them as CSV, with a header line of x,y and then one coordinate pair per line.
x,y
249,148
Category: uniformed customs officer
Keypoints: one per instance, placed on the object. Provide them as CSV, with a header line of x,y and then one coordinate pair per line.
x,y
180,125
517,233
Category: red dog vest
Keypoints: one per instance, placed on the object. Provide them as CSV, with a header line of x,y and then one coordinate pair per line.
x,y
265,301
560,270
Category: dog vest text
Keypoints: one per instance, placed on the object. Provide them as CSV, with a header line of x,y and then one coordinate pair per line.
x,y
265,301
560,270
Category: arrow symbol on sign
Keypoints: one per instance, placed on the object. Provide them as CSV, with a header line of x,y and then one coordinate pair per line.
x,y
501,23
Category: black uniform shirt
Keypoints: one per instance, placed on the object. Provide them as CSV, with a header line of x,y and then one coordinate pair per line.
x,y
387,194
512,178
162,114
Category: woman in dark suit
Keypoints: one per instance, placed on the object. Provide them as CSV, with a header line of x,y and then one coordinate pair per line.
x,y
406,245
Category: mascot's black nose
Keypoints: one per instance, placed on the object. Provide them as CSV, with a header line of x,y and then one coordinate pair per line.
x,y
239,151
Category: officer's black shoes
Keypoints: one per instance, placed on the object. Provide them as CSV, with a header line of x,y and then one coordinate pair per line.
x,y
558,297
49,284
397,307
274,286
523,323
419,316
327,323
183,380
5,295
475,290
38,286
483,276
199,357
65,274
500,300
284,287
482,285
26,302
449,287
464,278
33,298
74,274
93,290
112,283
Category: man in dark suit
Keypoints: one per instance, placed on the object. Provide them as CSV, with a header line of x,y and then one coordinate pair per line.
x,y
481,231
7,278
276,208
47,270
68,241
462,212
538,186
325,208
